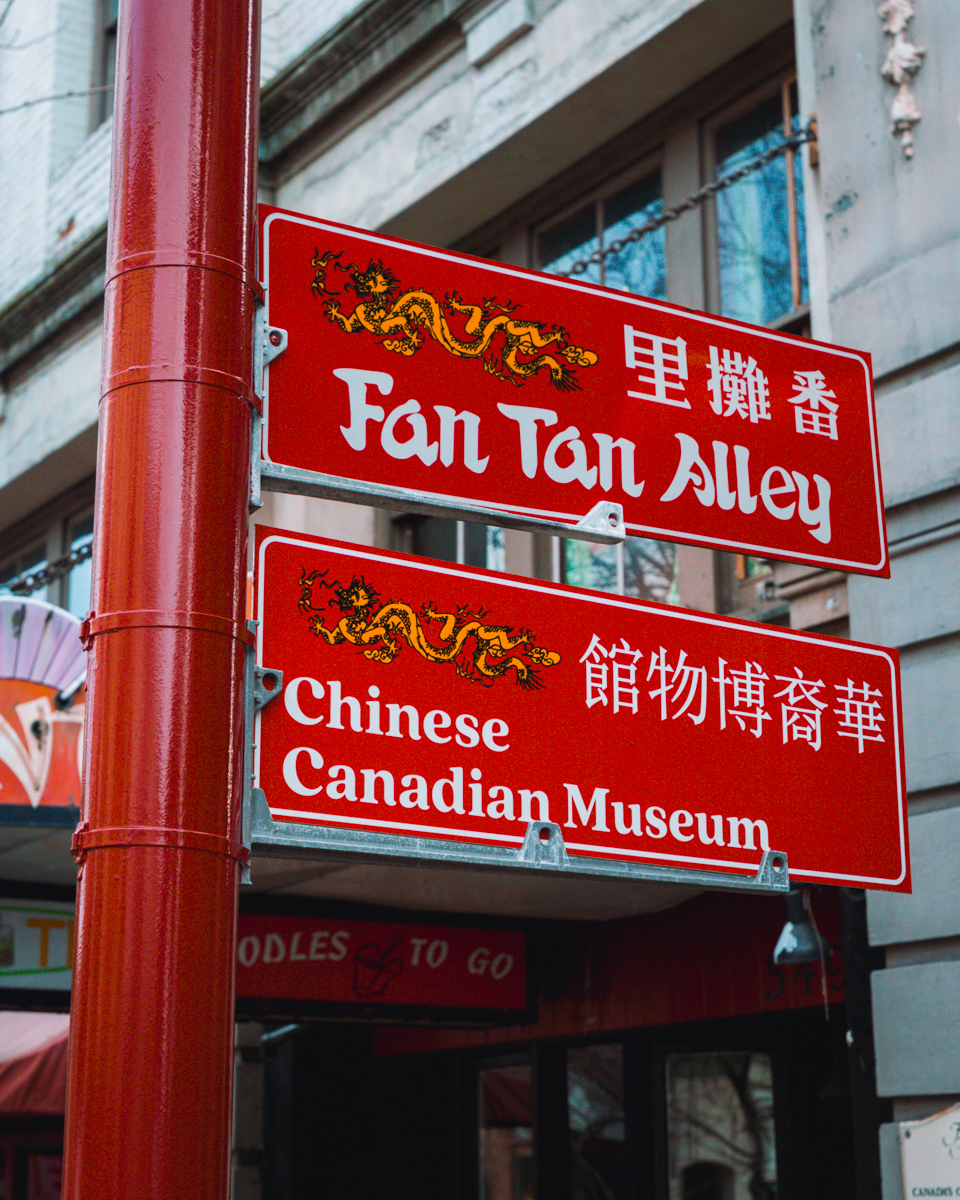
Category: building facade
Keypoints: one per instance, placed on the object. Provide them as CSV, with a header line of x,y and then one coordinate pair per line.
x,y
536,132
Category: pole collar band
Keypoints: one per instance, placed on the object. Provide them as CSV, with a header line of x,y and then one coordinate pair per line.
x,y
92,625
86,839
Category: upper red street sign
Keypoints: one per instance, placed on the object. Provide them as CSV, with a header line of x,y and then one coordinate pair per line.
x,y
486,385
442,704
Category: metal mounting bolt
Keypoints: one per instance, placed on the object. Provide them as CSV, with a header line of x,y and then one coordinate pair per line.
x,y
274,343
543,845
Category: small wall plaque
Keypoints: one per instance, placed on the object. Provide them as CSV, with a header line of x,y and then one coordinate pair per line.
x,y
930,1154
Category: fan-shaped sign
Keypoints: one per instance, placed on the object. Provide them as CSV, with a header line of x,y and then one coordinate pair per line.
x,y
42,673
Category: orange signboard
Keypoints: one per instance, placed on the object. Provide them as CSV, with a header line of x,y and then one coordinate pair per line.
x,y
42,671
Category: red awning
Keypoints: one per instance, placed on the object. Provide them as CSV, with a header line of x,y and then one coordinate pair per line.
x,y
33,1063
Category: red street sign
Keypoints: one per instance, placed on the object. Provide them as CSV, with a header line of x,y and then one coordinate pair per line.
x,y
331,960
475,383
441,703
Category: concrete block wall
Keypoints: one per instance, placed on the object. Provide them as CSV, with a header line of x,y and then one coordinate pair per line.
x,y
46,48
893,253
292,26
271,17
48,435
54,168
79,196
465,140
27,72
75,22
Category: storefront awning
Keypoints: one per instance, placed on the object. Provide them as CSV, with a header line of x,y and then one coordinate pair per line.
x,y
33,1063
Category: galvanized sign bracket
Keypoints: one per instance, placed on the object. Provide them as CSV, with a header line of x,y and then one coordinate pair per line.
x,y
268,343
603,523
543,850
543,845
260,686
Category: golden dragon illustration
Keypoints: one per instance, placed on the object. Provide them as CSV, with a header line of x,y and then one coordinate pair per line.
x,y
381,631
509,347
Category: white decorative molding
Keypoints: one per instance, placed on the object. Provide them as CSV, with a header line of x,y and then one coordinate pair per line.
x,y
903,61
493,27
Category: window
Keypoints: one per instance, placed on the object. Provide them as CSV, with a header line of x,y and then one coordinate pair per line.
x,y
30,559
44,1176
742,254
676,1113
79,535
65,525
639,567
450,541
598,1149
720,1126
506,1133
760,238
640,267
105,60
752,568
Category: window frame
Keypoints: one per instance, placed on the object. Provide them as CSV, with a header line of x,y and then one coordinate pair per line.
x,y
51,526
784,1036
667,134
404,537
675,139
104,62
742,1044
797,319
650,164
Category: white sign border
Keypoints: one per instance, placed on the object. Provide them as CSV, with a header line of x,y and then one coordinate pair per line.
x,y
619,297
609,601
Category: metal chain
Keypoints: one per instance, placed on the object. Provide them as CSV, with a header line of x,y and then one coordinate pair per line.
x,y
23,585
793,142
94,91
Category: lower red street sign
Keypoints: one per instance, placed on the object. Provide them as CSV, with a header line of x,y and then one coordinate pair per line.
x,y
442,704
403,373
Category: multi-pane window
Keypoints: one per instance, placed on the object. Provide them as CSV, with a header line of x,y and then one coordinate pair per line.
x,y
758,257
639,267
692,1122
761,243
105,60
506,1131
720,1127
67,525
742,254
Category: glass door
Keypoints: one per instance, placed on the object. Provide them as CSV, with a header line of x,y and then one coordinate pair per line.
x,y
721,1142
507,1164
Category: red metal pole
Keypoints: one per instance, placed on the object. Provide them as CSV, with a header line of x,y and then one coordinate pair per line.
x,y
150,1076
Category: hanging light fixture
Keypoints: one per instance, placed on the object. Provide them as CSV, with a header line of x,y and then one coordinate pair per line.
x,y
799,940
